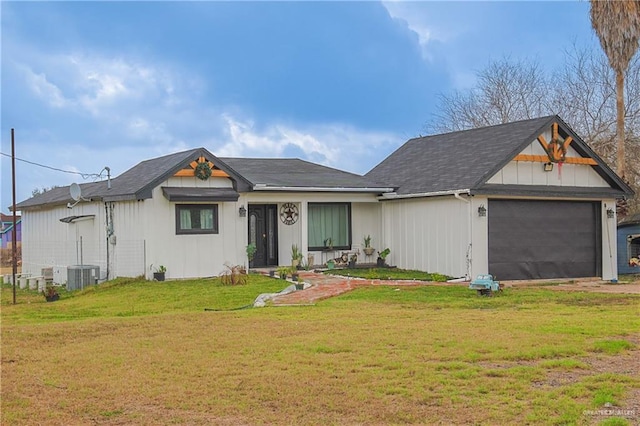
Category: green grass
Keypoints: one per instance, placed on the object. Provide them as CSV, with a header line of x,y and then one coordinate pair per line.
x,y
126,297
137,352
389,274
612,346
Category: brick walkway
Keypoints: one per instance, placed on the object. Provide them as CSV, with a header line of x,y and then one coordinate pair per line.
x,y
325,286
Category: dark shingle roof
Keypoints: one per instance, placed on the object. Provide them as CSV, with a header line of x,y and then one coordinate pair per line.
x,y
138,182
296,173
465,160
134,184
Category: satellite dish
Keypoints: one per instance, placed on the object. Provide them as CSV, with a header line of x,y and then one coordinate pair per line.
x,y
76,192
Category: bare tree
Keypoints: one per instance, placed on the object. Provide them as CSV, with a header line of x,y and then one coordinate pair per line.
x,y
507,91
617,24
581,90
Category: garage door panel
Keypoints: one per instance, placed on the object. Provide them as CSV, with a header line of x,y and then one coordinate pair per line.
x,y
543,239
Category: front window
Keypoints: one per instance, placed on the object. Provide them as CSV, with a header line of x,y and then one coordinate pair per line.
x,y
329,224
196,219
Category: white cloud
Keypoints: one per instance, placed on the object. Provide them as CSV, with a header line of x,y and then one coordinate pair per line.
x,y
336,145
117,112
43,88
415,15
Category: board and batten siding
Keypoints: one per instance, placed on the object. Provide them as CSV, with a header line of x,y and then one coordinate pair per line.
x,y
49,243
189,255
365,220
532,173
428,234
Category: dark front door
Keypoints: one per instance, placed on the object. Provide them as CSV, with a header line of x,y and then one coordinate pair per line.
x,y
263,232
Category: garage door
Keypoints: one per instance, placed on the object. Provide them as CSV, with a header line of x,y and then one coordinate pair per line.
x,y
544,239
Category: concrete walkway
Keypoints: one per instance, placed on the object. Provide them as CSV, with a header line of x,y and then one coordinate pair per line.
x,y
324,286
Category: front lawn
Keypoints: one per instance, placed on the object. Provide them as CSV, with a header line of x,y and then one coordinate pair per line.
x,y
147,353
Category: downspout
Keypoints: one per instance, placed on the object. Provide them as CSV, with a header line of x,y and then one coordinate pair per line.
x,y
469,259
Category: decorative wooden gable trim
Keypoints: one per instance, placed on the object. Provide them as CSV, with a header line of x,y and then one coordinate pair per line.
x,y
193,166
556,151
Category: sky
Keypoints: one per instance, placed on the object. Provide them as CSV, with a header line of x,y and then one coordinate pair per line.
x,y
92,84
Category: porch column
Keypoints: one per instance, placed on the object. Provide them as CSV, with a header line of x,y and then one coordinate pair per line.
x,y
304,230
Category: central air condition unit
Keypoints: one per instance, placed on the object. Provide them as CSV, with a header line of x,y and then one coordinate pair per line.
x,y
79,276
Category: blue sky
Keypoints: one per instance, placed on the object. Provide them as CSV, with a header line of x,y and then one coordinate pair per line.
x,y
94,84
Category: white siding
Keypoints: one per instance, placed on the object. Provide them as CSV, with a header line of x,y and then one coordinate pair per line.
x,y
428,234
188,256
47,242
532,173
609,242
365,220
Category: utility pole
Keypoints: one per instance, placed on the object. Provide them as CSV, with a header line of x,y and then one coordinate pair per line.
x,y
14,234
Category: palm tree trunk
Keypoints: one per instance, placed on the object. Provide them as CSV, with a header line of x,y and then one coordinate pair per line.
x,y
620,123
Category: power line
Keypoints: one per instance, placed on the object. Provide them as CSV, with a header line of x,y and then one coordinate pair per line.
x,y
84,175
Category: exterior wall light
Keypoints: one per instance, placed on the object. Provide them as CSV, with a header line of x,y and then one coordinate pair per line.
x,y
610,213
242,212
482,210
548,167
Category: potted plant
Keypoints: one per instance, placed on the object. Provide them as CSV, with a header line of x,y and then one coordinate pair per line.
x,y
331,264
368,250
352,260
251,252
294,274
382,256
296,256
328,243
51,293
283,271
159,273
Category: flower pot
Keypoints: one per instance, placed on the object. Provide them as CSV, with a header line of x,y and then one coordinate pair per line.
x,y
52,298
380,263
294,277
158,276
331,264
300,286
272,273
368,250
352,264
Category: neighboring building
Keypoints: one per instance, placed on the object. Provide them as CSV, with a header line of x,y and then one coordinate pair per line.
x,y
6,230
629,245
462,203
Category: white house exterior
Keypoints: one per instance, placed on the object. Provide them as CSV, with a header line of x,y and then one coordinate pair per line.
x,y
496,200
461,204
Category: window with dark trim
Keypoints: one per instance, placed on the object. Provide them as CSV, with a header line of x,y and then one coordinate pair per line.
x,y
196,218
329,221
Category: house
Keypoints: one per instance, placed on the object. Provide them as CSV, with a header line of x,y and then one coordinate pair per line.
x,y
629,245
6,230
522,200
193,212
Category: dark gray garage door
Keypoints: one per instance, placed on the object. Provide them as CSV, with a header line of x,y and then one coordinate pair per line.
x,y
544,239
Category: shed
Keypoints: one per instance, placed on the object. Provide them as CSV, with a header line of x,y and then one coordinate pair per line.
x,y
629,245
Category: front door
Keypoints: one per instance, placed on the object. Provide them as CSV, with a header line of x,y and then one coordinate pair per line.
x,y
263,232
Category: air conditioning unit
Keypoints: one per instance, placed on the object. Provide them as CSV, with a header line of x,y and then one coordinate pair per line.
x,y
79,276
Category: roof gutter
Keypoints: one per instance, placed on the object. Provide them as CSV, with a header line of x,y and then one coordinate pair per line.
x,y
263,187
394,196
